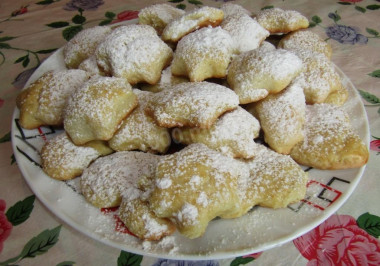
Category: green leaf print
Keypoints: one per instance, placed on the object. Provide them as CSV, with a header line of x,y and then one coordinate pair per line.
x,y
369,97
70,32
38,245
370,223
375,74
6,137
20,212
373,7
241,261
58,24
66,263
360,9
130,259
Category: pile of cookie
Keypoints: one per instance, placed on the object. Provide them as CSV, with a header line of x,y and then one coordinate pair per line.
x,y
212,80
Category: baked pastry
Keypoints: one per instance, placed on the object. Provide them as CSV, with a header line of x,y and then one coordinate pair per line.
x,y
232,134
318,78
106,179
91,66
159,15
94,111
191,21
43,101
83,45
138,131
192,104
61,159
166,81
205,53
277,20
305,40
134,52
338,97
234,9
247,34
203,185
282,118
255,74
275,180
330,142
137,215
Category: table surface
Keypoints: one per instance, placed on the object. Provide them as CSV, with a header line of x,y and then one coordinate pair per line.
x,y
30,31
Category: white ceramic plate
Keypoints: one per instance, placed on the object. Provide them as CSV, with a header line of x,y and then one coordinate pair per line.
x,y
256,231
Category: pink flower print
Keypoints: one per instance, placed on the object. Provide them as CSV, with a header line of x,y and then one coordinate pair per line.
x,y
126,15
254,255
5,225
339,241
375,145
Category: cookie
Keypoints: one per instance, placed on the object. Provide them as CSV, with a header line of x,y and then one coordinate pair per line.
x,y
95,110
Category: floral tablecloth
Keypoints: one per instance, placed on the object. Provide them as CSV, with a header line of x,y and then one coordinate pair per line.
x,y
30,234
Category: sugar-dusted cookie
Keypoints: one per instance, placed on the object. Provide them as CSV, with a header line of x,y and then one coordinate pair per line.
x,y
106,179
282,118
255,74
234,9
205,53
91,66
338,97
138,131
195,185
245,31
318,78
166,81
275,180
43,101
83,45
277,20
193,104
134,52
95,110
330,142
191,21
137,216
159,15
61,159
305,40
232,134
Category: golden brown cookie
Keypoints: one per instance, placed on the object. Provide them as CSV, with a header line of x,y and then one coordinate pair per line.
x,y
159,15
282,118
277,20
94,111
318,78
105,180
191,21
305,40
138,131
166,81
135,53
330,142
193,104
42,103
195,185
232,134
233,9
61,159
255,74
205,53
83,45
338,97
137,216
275,180
247,34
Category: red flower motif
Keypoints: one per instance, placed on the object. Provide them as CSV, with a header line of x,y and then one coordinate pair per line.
x,y
5,225
375,145
254,255
339,241
126,15
20,11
